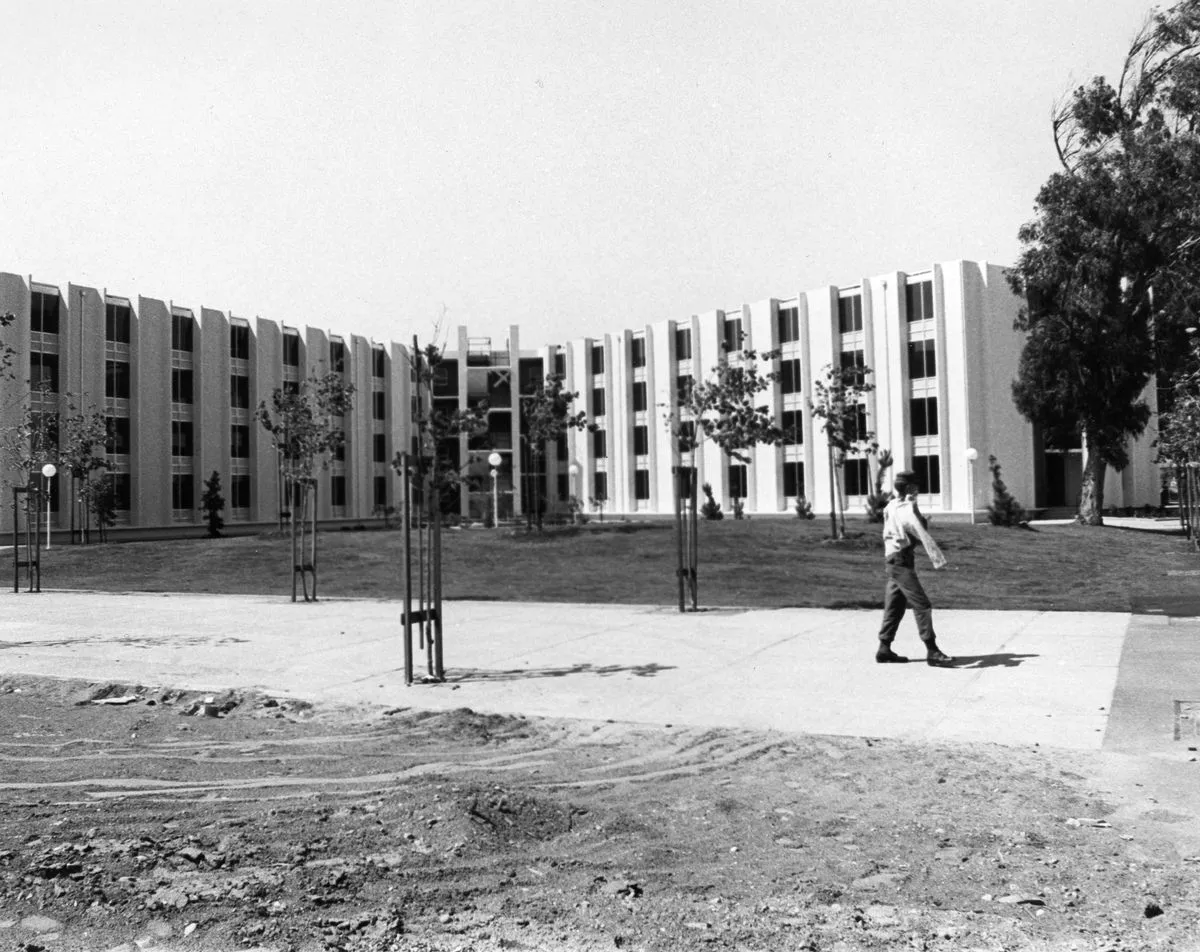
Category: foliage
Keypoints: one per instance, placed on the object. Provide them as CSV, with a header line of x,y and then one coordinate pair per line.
x,y
879,497
548,416
710,509
213,504
305,423
1004,510
803,508
1109,263
575,508
724,408
839,405
100,497
739,508
1178,440
436,427
598,502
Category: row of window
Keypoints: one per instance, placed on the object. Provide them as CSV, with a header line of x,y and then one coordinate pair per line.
x,y
856,475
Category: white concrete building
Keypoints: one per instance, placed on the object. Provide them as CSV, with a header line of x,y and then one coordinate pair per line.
x,y
180,384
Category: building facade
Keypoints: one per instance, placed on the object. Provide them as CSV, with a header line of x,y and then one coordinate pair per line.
x,y
179,387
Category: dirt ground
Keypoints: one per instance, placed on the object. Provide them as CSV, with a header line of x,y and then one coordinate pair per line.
x,y
259,822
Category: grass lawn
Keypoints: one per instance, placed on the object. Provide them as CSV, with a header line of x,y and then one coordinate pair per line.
x,y
767,563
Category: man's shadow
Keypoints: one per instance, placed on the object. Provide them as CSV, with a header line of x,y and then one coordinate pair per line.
x,y
1002,659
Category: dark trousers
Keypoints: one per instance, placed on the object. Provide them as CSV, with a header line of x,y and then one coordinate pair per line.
x,y
904,590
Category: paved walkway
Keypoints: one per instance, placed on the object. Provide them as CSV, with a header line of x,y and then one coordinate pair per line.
x,y
1023,677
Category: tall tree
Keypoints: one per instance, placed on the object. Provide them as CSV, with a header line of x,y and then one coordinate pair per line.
x,y
1109,263
547,415
305,424
725,409
838,402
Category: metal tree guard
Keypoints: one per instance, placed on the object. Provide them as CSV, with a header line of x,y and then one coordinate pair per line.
x,y
304,535
686,534
32,535
422,512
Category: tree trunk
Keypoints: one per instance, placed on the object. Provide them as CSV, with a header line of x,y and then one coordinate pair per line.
x,y
833,527
1091,490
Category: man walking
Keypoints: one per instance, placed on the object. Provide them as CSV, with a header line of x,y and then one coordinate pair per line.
x,y
903,527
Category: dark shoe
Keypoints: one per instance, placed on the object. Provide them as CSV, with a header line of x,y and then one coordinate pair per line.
x,y
937,657
885,655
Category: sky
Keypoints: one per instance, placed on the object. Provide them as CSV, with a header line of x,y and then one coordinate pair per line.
x,y
402,168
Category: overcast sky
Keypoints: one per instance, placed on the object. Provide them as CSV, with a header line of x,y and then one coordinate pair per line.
x,y
571,167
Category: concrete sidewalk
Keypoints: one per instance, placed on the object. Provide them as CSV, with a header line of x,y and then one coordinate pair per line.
x,y
1023,678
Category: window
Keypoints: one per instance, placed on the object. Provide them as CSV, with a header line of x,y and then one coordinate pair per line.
x,y
597,358
637,352
687,435
639,396
793,478
181,438
918,301
116,379
737,481
853,360
598,401
789,376
641,484
44,435
850,313
118,442
43,372
380,448
378,362
929,473
560,363
599,444
641,440
600,486
856,480
788,322
923,414
239,341
922,361
291,386
116,323
122,490
291,350
856,426
381,488
732,336
239,491
683,388
183,328
239,392
43,312
183,493
337,356
339,448
379,405
239,441
337,491
560,446
792,424
181,385
683,344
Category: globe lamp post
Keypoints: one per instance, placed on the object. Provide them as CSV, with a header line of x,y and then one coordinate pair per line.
x,y
494,460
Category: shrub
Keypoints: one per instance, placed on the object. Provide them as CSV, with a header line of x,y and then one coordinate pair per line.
x,y
711,509
803,508
739,509
1004,510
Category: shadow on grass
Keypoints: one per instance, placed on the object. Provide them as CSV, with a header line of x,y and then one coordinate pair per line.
x,y
523,674
1003,659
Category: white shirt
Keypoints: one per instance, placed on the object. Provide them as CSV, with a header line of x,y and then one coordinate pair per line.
x,y
903,525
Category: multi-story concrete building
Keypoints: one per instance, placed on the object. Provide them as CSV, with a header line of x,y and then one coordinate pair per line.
x,y
180,386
